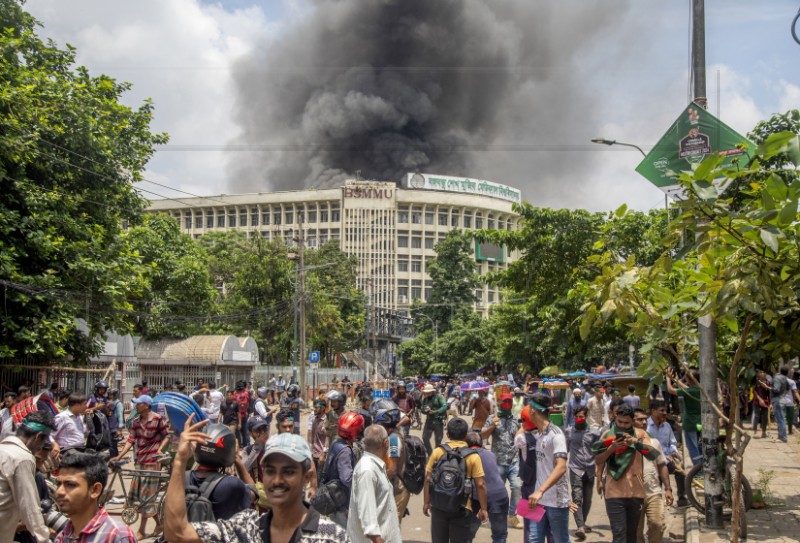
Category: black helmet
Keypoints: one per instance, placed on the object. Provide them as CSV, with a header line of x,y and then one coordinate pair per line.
x,y
367,419
386,413
293,389
100,384
220,449
113,392
336,396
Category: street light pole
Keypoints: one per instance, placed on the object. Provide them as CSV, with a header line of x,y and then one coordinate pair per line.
x,y
603,141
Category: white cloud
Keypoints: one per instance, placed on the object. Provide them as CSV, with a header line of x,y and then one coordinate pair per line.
x,y
177,52
789,97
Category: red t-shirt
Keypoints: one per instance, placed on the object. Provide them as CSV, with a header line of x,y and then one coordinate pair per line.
x,y
243,399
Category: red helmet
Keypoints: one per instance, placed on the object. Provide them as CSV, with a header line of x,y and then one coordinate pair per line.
x,y
351,425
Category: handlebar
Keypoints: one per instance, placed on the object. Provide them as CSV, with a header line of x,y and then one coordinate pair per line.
x,y
117,464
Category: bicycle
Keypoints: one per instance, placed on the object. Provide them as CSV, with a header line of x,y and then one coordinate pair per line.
x,y
132,510
695,486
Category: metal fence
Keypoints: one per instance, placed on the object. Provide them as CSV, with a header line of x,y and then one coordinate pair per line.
x,y
263,374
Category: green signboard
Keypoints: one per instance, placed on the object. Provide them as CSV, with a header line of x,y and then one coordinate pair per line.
x,y
693,136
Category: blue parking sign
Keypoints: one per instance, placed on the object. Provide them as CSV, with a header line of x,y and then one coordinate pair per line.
x,y
313,357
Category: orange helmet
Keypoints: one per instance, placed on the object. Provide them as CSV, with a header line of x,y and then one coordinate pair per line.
x,y
527,421
351,425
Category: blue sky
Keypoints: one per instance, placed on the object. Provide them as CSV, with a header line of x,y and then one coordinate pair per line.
x,y
633,68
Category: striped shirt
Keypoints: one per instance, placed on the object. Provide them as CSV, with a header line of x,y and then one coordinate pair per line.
x,y
148,437
101,529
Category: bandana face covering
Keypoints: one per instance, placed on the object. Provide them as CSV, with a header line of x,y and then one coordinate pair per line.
x,y
580,423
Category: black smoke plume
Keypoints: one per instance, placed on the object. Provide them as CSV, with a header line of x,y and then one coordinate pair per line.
x,y
384,87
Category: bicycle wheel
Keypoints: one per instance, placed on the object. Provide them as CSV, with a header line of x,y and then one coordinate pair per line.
x,y
695,491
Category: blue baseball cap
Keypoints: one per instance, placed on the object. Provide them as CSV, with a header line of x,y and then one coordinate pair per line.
x,y
288,444
144,398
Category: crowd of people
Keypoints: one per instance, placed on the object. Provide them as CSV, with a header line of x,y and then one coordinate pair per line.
x,y
491,455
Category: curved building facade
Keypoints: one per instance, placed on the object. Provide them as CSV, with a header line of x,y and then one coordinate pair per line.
x,y
392,228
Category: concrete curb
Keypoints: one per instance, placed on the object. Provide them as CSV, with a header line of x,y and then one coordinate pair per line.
x,y
691,525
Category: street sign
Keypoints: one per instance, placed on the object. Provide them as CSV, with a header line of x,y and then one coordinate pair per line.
x,y
313,357
691,138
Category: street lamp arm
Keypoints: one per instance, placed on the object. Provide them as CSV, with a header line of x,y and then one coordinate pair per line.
x,y
603,141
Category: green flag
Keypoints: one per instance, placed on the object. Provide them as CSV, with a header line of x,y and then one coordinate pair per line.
x,y
694,135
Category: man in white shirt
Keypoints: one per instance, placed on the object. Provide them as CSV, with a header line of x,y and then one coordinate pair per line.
x,y
373,513
18,497
213,402
70,431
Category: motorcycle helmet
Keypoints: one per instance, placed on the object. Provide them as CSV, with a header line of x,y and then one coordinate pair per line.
x,y
386,413
351,426
262,392
101,384
367,418
337,399
113,392
293,390
220,449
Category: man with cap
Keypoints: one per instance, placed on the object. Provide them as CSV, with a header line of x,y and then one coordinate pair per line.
x,y
503,428
574,403
407,405
150,434
518,404
552,485
317,436
252,455
434,407
286,469
18,497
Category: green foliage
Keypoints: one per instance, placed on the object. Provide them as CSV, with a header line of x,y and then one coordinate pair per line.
x,y
742,261
177,297
539,320
69,153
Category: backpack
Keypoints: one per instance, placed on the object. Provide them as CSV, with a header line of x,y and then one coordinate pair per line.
x,y
450,486
99,437
414,471
331,495
198,499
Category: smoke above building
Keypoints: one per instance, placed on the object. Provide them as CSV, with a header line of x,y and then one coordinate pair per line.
x,y
384,87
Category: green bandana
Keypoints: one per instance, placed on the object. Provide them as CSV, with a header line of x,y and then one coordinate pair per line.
x,y
618,462
38,427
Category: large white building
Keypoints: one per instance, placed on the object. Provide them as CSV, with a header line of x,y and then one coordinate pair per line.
x,y
392,228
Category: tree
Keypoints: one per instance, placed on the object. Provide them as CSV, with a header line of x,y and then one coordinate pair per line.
x,y
453,279
742,269
69,155
177,298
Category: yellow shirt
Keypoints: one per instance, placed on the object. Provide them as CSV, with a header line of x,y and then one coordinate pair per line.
x,y
473,462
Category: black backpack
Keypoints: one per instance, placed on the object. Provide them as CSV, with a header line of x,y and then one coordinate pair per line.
x,y
331,494
416,459
99,437
198,499
450,486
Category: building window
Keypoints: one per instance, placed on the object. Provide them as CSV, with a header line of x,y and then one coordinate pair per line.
x,y
491,296
335,216
416,266
323,237
478,221
265,217
289,216
467,222
243,218
403,293
221,220
231,219
198,221
429,243
442,219
490,223
416,242
454,220
209,219
416,293
276,215
187,220
323,214
335,233
416,217
254,216
312,215
428,218
402,266
402,241
428,293
402,215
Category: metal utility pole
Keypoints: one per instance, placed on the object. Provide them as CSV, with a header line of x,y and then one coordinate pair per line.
x,y
302,307
706,326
